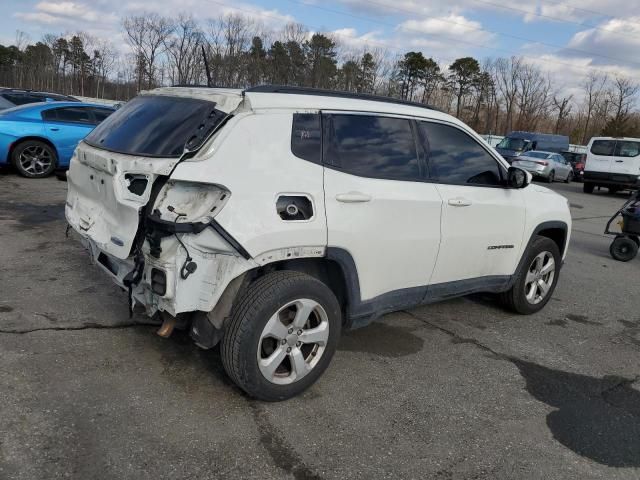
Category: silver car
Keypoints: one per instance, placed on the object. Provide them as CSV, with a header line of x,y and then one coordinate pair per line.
x,y
548,165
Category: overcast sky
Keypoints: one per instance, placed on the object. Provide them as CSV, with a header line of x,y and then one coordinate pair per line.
x,y
568,38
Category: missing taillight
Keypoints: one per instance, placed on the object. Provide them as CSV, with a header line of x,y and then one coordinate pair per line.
x,y
136,184
158,281
109,264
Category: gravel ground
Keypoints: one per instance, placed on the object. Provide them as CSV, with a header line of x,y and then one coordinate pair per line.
x,y
457,390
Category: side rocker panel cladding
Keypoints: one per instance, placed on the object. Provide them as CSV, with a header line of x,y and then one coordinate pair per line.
x,y
360,314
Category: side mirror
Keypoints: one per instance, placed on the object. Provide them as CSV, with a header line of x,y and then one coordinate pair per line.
x,y
518,178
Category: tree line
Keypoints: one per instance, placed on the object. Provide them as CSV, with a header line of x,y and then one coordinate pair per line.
x,y
494,96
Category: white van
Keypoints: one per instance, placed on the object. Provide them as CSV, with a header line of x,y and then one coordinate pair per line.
x,y
613,163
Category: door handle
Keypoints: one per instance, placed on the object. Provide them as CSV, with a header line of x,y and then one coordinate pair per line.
x,y
619,161
459,202
353,197
54,129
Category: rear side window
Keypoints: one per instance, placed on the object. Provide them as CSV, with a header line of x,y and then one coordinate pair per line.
x,y
306,136
456,158
373,146
603,148
50,115
101,114
627,149
157,126
73,115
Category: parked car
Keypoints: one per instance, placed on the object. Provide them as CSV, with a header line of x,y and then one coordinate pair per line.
x,y
271,219
519,143
13,97
613,163
546,165
40,138
577,161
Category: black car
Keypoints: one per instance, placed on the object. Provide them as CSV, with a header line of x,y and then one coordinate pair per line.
x,y
12,97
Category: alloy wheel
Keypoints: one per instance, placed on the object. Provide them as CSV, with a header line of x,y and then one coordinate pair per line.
x,y
35,159
293,341
540,277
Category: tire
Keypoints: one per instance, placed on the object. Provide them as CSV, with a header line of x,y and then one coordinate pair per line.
x,y
569,178
34,159
588,187
516,299
623,248
613,190
551,177
267,305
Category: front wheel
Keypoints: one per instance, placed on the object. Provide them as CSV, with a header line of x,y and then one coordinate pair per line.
x,y
551,177
283,332
535,282
34,159
588,187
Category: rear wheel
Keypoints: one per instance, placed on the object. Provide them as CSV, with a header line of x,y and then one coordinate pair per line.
x,y
535,282
613,190
34,159
551,177
569,178
623,248
283,331
588,187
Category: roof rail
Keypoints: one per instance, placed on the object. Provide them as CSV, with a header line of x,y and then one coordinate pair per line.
x,y
191,85
333,93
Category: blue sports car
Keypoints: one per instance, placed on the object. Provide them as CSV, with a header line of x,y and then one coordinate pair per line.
x,y
40,138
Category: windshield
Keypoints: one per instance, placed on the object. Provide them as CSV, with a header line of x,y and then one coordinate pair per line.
x,y
157,126
512,143
537,155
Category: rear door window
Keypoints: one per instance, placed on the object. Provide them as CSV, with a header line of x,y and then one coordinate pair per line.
x,y
74,115
627,149
603,148
456,158
373,146
157,126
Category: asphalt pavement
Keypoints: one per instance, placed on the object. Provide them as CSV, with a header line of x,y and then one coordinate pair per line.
x,y
456,390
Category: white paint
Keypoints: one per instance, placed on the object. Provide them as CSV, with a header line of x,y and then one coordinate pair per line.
x,y
612,163
401,234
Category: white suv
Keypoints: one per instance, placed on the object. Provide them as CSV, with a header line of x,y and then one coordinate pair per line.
x,y
270,219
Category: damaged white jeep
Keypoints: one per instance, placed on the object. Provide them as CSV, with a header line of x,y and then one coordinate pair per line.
x,y
270,219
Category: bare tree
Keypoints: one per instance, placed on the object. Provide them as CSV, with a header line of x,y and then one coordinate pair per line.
x,y
295,32
621,97
507,71
533,98
105,56
229,38
147,34
563,106
594,87
182,47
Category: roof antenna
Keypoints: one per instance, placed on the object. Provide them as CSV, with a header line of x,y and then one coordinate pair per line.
x,y
206,66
